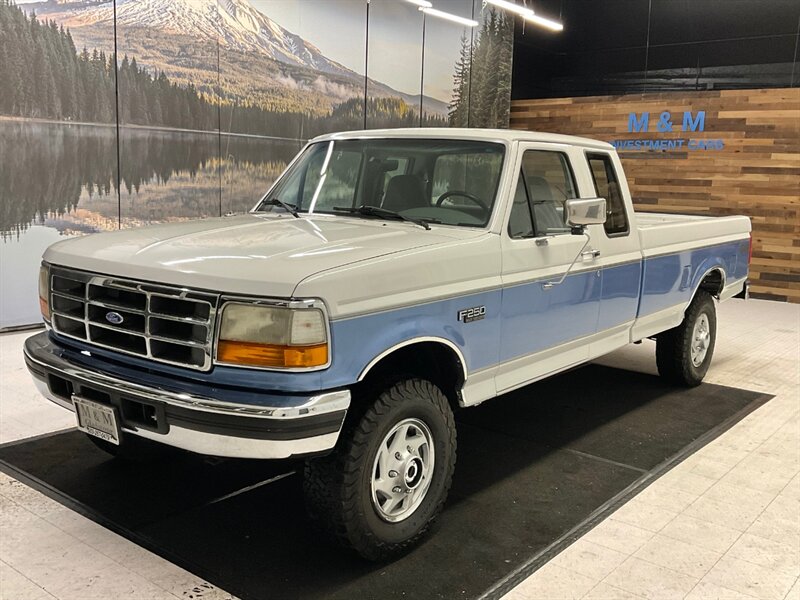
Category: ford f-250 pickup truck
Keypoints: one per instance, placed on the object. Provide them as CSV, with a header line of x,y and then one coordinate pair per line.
x,y
386,279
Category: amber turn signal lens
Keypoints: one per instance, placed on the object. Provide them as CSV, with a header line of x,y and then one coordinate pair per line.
x,y
44,291
45,308
270,355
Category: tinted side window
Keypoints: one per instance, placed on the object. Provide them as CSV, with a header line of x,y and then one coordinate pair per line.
x,y
549,183
520,224
606,186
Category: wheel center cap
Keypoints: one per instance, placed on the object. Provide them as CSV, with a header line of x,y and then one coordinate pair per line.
x,y
413,473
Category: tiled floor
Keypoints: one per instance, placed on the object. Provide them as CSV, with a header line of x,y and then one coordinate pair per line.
x,y
723,524
49,551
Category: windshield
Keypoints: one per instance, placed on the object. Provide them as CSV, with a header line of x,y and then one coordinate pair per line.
x,y
453,182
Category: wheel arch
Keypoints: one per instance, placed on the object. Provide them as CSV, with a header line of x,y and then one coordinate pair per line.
x,y
712,281
435,358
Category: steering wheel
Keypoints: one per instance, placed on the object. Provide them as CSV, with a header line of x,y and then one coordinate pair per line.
x,y
466,195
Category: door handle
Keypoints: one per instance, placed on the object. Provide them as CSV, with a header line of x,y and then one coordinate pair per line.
x,y
590,254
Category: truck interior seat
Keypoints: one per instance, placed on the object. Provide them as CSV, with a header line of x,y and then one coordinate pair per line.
x,y
544,206
404,192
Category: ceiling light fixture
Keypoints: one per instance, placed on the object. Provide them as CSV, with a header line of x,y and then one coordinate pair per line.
x,y
422,3
526,13
546,23
450,17
511,7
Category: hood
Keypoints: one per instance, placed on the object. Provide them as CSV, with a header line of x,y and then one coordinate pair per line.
x,y
254,254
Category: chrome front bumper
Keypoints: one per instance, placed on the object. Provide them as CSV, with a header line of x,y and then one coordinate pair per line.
x,y
194,423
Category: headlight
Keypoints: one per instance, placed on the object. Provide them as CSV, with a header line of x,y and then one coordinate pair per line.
x,y
44,291
272,336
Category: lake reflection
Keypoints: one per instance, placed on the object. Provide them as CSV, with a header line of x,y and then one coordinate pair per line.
x,y
66,174
63,177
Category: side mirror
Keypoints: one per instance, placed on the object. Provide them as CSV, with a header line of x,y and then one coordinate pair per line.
x,y
585,211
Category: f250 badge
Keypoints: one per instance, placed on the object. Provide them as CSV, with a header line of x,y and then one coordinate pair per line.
x,y
468,315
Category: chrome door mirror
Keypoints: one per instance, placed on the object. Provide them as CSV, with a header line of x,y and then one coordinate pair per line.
x,y
585,211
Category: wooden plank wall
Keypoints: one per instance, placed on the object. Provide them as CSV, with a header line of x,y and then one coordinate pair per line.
x,y
757,173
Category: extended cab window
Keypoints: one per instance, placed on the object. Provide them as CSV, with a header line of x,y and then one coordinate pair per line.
x,y
545,183
606,185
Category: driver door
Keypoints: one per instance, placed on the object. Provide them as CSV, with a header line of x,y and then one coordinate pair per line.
x,y
544,327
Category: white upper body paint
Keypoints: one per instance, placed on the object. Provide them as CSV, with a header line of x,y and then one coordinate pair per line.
x,y
359,266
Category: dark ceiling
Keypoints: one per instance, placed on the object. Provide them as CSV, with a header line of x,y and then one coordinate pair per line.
x,y
619,46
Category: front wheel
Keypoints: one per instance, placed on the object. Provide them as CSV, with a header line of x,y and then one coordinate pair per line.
x,y
389,476
683,354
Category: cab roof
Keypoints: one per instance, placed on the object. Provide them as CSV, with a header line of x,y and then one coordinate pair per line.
x,y
488,135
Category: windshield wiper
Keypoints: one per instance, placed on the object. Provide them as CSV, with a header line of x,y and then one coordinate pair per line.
x,y
375,211
288,207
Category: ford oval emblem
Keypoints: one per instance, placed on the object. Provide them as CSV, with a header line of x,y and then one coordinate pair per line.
x,y
114,318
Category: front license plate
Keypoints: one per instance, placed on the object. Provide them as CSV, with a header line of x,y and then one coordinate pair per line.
x,y
96,419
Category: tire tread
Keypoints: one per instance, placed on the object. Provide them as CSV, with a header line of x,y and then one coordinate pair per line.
x,y
673,347
331,483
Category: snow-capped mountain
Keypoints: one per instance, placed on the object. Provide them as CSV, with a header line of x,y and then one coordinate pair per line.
x,y
236,23
240,27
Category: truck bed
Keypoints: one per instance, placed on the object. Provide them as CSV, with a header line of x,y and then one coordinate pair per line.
x,y
662,233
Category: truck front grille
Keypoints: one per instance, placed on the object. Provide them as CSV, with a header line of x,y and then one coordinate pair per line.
x,y
163,323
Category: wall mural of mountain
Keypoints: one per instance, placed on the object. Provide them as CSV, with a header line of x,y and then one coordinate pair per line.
x,y
214,98
169,36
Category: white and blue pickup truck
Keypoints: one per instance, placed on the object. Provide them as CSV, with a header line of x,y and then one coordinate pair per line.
x,y
385,280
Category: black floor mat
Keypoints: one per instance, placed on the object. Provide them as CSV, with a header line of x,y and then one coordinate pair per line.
x,y
535,468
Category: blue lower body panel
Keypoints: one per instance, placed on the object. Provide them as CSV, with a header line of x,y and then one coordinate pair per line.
x,y
672,279
516,321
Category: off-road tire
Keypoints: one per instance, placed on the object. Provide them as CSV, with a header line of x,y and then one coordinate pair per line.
x,y
131,448
674,347
337,487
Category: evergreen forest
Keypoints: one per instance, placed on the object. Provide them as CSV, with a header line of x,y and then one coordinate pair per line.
x,y
45,77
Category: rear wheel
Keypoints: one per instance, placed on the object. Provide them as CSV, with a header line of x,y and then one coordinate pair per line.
x,y
683,354
389,476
